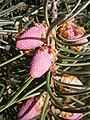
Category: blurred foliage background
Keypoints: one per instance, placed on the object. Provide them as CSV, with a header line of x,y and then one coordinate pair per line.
x,y
16,16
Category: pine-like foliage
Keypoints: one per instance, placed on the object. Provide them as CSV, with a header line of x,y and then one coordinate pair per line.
x,y
66,82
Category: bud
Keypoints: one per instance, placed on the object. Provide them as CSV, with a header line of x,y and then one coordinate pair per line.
x,y
67,115
70,80
71,116
31,108
70,30
42,61
32,38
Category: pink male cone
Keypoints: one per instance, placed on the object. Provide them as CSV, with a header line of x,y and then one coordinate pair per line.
x,y
40,63
32,38
31,108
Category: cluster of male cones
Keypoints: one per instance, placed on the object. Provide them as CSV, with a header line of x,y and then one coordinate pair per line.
x,y
43,60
